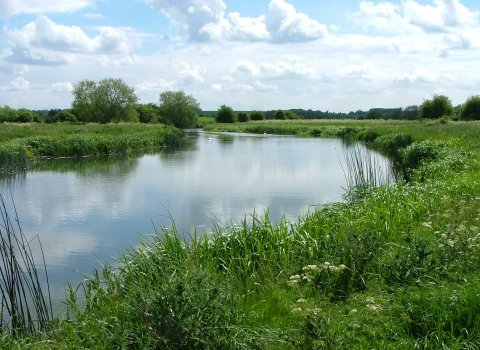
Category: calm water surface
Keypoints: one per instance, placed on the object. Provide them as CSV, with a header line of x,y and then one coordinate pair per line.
x,y
89,210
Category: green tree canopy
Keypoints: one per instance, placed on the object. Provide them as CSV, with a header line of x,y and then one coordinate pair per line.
x,y
24,116
8,114
471,108
242,117
178,109
148,113
437,107
257,115
280,114
372,114
226,114
109,100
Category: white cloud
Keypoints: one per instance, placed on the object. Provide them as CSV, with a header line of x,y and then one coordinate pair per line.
x,y
205,20
365,71
93,15
190,74
285,69
19,84
61,87
232,87
259,86
159,85
15,7
39,41
246,68
419,75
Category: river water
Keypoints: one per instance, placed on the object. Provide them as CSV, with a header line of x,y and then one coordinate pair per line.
x,y
87,211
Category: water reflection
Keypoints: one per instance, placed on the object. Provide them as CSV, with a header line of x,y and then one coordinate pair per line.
x,y
92,208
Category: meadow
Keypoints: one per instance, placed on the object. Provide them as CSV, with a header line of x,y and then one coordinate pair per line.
x,y
390,267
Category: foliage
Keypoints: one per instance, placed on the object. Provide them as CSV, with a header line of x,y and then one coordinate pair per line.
x,y
242,117
178,109
372,114
280,115
148,113
257,115
109,100
226,114
438,107
65,116
471,108
8,115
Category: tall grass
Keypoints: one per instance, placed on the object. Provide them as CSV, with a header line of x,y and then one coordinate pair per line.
x,y
25,308
20,152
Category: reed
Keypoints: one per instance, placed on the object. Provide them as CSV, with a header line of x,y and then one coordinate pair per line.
x,y
25,308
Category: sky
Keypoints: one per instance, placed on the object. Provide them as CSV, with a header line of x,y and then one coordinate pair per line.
x,y
323,55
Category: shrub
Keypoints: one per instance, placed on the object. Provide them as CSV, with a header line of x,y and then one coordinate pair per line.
x,y
471,108
257,115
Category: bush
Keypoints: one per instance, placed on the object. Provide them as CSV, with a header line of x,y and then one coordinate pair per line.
x,y
226,114
436,108
242,117
471,108
257,115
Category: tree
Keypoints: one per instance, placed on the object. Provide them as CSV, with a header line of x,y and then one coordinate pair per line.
x,y
242,117
226,114
436,108
109,100
411,112
65,116
148,113
279,115
471,108
257,115
178,109
24,116
373,114
291,115
7,114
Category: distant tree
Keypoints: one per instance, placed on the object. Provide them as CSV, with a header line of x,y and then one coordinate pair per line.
x,y
257,115
178,109
291,115
372,114
109,100
436,108
410,112
395,114
242,117
280,114
226,114
24,116
65,116
471,108
148,113
7,115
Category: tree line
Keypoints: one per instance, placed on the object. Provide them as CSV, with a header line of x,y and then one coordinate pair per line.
x,y
112,100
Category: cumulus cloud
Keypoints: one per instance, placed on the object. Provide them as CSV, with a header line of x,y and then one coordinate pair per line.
x,y
40,42
232,87
15,7
365,71
205,20
419,75
190,74
159,85
93,15
289,67
262,87
61,87
19,84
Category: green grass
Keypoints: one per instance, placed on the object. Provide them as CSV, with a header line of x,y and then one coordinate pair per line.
x,y
390,267
22,145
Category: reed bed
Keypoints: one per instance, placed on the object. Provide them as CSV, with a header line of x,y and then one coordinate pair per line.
x,y
20,152
25,308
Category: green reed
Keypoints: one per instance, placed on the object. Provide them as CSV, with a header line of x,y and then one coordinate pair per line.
x,y
25,308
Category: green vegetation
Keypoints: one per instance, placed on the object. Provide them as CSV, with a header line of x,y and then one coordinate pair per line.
x,y
178,109
23,144
106,101
394,266
226,114
439,106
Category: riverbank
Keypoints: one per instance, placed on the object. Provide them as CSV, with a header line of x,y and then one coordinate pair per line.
x,y
390,267
23,144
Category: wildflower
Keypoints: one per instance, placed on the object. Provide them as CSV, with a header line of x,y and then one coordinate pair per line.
x,y
311,268
356,326
301,300
444,236
427,224
370,300
314,311
296,310
352,312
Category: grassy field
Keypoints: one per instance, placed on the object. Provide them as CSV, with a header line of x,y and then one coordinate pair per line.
x,y
23,144
390,267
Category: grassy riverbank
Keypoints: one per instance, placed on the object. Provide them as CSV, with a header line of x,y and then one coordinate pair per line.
x,y
390,267
23,144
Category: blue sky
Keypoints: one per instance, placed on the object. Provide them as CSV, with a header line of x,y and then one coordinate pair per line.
x,y
250,54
